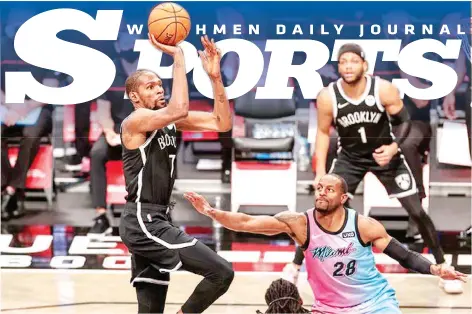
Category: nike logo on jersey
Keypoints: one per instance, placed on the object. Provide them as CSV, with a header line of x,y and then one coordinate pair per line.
x,y
343,105
166,140
325,252
359,117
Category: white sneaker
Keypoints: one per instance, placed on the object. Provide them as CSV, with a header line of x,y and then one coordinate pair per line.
x,y
290,273
451,286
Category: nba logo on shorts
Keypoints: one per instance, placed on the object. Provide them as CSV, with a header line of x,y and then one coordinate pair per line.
x,y
403,181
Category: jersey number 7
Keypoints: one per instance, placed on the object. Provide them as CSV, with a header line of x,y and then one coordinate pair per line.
x,y
172,162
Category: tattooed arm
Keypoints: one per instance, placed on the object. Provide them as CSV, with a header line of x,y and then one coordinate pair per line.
x,y
294,224
220,119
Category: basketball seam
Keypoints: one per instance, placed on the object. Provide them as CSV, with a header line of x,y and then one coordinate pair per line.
x,y
175,21
169,17
186,31
165,10
163,31
181,8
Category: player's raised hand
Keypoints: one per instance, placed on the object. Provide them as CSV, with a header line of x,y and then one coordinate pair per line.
x,y
447,272
200,203
170,50
211,57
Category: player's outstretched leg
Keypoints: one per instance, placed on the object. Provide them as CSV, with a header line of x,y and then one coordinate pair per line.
x,y
218,273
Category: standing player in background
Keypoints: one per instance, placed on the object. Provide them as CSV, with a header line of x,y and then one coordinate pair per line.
x,y
463,68
337,243
363,109
148,136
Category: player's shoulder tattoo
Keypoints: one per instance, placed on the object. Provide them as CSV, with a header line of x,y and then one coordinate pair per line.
x,y
288,217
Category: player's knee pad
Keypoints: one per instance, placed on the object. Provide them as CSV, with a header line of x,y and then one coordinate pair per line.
x,y
228,277
223,276
227,274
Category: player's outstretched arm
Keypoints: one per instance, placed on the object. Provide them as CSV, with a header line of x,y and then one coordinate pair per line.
x,y
374,232
268,225
220,120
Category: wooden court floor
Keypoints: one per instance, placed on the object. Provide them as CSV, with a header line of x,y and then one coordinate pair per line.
x,y
97,291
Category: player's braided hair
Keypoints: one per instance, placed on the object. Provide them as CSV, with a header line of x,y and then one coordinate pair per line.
x,y
282,297
132,80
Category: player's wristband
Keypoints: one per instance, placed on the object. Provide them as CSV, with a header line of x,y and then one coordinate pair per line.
x,y
299,256
407,258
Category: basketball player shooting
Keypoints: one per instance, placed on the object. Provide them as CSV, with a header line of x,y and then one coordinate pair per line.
x,y
363,109
337,243
148,135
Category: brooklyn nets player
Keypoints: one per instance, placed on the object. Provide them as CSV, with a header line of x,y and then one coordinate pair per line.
x,y
363,109
149,156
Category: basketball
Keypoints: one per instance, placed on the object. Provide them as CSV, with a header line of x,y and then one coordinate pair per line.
x,y
169,23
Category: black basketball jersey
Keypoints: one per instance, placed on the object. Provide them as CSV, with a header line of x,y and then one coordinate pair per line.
x,y
362,125
150,169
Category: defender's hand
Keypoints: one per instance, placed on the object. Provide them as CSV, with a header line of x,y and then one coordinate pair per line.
x,y
211,58
385,153
170,50
447,272
200,203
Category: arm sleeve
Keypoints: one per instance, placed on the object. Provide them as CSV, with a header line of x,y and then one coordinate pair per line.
x,y
402,120
407,258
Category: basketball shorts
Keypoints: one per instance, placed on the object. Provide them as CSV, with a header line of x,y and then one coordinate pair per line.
x,y
153,241
396,177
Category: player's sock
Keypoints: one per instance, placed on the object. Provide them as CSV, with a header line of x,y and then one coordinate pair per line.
x,y
425,225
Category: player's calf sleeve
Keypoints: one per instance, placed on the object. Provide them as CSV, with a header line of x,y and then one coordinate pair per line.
x,y
151,297
406,258
412,205
299,257
209,290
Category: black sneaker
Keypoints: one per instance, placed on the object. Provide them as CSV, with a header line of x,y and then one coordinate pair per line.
x,y
102,227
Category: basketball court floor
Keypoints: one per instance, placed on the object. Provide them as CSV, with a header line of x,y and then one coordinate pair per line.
x,y
95,291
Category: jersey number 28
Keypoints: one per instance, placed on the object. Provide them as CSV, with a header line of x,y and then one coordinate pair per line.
x,y
340,270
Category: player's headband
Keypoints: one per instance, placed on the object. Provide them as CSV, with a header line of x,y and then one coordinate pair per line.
x,y
354,48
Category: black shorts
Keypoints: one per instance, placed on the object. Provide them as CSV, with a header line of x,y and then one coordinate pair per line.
x,y
396,177
153,241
